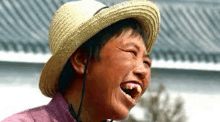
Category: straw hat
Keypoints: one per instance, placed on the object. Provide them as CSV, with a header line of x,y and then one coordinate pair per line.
x,y
76,22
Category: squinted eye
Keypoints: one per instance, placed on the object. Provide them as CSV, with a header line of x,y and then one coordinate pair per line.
x,y
133,52
147,64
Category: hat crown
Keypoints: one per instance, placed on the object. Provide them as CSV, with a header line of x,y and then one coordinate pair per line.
x,y
68,17
75,22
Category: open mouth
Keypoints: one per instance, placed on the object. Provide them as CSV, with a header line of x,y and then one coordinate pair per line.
x,y
132,90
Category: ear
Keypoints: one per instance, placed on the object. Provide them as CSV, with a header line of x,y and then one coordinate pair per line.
x,y
78,61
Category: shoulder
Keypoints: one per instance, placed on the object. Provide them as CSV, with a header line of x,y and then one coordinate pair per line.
x,y
32,115
20,117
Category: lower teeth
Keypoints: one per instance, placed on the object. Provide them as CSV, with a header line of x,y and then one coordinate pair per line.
x,y
129,96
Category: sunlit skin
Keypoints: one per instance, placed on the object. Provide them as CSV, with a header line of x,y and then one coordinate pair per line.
x,y
123,59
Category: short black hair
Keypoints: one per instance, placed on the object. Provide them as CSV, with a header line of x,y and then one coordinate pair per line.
x,y
94,45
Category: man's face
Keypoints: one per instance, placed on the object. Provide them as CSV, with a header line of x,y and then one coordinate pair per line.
x,y
116,81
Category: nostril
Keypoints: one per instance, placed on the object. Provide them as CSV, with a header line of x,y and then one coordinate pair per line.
x,y
140,73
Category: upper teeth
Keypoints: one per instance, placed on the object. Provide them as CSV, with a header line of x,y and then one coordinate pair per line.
x,y
130,86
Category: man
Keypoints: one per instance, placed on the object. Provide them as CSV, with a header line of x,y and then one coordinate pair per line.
x,y
100,64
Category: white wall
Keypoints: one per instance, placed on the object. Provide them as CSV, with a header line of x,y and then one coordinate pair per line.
x,y
19,88
200,90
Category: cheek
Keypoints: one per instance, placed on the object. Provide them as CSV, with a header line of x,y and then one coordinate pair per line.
x,y
107,74
147,80
120,64
102,77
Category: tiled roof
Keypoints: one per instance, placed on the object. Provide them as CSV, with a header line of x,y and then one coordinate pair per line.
x,y
189,32
24,24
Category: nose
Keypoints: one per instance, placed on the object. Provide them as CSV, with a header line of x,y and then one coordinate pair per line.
x,y
141,71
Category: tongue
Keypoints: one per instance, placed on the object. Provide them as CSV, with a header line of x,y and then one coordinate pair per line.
x,y
131,86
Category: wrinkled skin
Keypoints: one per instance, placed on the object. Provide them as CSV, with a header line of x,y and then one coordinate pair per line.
x,y
122,59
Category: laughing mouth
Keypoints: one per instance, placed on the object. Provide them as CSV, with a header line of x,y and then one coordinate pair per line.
x,y
132,90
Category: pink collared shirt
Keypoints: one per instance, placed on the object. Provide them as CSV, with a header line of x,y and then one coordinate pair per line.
x,y
56,111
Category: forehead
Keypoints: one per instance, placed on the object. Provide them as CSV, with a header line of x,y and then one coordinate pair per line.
x,y
129,38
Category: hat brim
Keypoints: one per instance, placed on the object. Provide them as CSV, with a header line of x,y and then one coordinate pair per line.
x,y
147,13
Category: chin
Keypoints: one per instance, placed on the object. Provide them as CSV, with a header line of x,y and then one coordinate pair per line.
x,y
119,116
120,113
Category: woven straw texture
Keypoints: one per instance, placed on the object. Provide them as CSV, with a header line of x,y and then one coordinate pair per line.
x,y
72,26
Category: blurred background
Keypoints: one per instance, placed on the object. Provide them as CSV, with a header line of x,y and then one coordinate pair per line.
x,y
185,82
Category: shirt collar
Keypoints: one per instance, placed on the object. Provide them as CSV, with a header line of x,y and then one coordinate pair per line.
x,y
58,109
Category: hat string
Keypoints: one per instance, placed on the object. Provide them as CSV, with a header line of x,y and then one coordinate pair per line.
x,y
84,82
100,9
73,113
71,110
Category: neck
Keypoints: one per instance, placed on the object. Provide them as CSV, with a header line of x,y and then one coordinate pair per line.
x,y
73,96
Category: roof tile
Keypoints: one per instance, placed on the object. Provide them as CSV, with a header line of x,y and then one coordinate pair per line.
x,y
190,31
